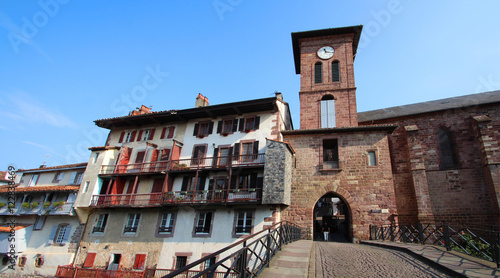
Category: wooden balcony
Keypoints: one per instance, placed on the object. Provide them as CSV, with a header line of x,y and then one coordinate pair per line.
x,y
223,196
18,209
189,164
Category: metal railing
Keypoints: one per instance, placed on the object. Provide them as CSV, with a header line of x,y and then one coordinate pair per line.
x,y
68,271
247,195
254,254
481,243
185,164
65,209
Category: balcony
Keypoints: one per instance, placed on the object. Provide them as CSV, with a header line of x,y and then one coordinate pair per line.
x,y
18,209
251,160
250,195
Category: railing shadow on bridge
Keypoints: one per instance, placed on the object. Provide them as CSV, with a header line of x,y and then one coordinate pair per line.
x,y
480,243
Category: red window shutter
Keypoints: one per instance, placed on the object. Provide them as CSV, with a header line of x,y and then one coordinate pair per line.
x,y
152,134
133,136
171,132
121,137
163,133
165,154
139,138
139,261
89,260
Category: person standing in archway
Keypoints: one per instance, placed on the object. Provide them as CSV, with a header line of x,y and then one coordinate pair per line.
x,y
326,231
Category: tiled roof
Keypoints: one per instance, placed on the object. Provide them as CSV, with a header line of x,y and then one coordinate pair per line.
x,y
76,165
5,189
430,106
283,142
387,127
2,176
7,229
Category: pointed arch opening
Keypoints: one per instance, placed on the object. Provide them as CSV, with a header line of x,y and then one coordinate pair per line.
x,y
332,214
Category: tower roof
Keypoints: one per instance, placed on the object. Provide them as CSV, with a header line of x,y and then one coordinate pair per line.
x,y
296,36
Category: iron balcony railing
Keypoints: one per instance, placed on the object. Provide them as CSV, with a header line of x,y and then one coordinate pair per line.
x,y
481,243
248,257
40,209
248,195
185,164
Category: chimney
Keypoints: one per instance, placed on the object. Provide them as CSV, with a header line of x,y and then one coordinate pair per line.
x,y
139,111
201,101
278,95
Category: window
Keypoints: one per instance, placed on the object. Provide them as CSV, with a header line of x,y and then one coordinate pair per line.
x,y
226,127
22,261
209,262
95,157
59,234
76,177
58,177
224,156
139,261
249,150
318,72
128,136
39,222
448,159
335,71
203,129
86,186
244,181
39,260
89,260
372,158
330,154
190,183
203,223
243,223
5,260
100,225
198,154
170,134
166,224
139,158
180,262
132,223
33,179
327,111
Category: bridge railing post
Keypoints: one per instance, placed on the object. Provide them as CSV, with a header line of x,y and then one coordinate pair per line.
x,y
446,235
421,233
404,237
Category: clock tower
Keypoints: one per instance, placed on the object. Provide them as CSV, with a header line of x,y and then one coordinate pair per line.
x,y
324,59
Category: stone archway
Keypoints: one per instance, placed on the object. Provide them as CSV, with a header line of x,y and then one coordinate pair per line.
x,y
332,212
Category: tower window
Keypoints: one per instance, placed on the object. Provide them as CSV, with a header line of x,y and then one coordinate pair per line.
x,y
330,154
327,111
318,72
335,71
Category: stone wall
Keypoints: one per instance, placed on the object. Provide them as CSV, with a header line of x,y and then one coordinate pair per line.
x,y
277,173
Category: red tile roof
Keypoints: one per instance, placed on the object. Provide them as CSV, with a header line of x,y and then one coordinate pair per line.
x,y
5,189
56,167
7,229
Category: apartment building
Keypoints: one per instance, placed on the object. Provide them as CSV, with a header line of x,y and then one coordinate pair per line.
x,y
39,228
170,187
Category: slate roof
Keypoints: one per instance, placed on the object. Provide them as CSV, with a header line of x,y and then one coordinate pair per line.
x,y
430,106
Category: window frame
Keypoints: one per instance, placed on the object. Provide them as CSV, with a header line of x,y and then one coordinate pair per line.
x,y
140,256
328,112
173,220
237,234
199,160
327,164
197,222
368,158
132,228
100,224
30,182
58,177
318,73
447,145
39,260
62,229
335,71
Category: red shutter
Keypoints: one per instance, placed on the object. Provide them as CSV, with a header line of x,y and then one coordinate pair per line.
x,y
121,137
133,136
139,261
165,154
139,138
163,133
171,131
152,134
154,156
89,260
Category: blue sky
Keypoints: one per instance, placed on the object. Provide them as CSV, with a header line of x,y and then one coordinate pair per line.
x,y
66,63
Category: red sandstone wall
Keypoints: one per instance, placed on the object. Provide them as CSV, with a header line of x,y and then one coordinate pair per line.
x,y
457,195
362,187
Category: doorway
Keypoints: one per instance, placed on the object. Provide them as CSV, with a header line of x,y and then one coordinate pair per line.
x,y
332,214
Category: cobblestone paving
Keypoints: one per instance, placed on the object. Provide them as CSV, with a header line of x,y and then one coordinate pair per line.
x,y
357,260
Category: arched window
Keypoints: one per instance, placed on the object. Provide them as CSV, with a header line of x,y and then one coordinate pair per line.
x,y
335,71
318,72
448,159
327,111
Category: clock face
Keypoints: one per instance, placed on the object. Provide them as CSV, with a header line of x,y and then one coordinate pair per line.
x,y
326,52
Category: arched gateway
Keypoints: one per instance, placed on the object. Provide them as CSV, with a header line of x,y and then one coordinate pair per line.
x,y
332,213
